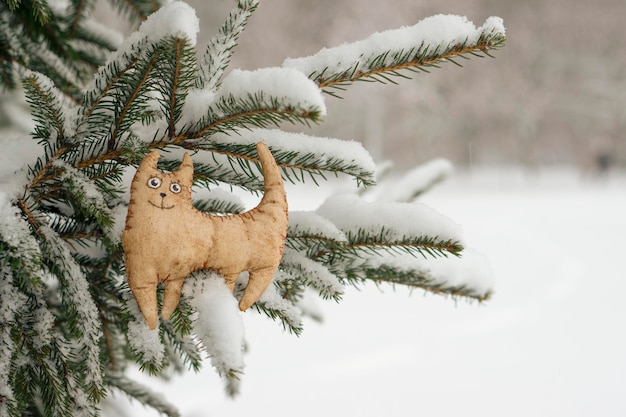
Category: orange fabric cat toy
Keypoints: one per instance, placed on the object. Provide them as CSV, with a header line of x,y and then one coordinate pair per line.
x,y
166,238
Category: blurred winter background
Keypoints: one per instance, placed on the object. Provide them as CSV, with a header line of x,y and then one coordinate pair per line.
x,y
538,138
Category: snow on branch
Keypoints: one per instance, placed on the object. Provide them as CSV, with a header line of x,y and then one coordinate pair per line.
x,y
220,48
85,196
213,168
383,54
219,201
82,312
273,305
298,154
119,96
416,181
141,393
312,273
313,234
176,73
47,109
175,19
468,276
12,303
144,343
217,324
258,98
393,227
15,232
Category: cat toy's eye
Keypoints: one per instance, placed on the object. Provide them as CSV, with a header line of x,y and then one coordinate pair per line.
x,y
154,182
175,188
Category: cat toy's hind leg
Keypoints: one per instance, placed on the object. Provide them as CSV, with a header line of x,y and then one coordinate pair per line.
x,y
171,297
257,284
146,296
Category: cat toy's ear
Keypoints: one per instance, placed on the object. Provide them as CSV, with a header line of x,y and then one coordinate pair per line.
x,y
150,161
186,167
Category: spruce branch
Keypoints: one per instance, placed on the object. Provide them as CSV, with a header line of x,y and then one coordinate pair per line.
x,y
35,37
312,274
176,73
183,344
141,393
298,160
415,50
133,99
289,321
84,197
312,234
80,310
220,48
218,206
120,97
365,242
46,109
413,278
214,170
253,109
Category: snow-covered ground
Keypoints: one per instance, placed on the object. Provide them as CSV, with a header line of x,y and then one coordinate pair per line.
x,y
551,342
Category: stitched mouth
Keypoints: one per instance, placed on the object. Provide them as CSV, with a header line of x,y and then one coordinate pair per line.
x,y
161,206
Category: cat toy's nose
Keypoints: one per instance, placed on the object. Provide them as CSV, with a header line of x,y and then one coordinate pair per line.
x,y
163,195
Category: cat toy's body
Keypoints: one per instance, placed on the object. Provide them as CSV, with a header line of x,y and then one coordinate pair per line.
x,y
166,238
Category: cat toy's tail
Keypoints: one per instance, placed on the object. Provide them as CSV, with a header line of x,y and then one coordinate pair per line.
x,y
274,189
273,206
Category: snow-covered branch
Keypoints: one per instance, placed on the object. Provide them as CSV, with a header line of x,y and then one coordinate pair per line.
x,y
220,48
384,55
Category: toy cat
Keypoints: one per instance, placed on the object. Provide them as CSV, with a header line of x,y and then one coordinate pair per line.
x,y
166,238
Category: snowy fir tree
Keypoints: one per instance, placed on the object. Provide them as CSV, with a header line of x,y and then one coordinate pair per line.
x,y
69,326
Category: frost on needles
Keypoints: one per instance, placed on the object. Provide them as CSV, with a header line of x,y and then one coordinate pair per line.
x,y
69,327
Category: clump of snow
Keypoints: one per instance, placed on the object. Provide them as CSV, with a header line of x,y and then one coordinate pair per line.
x,y
289,87
141,339
433,32
14,230
118,214
286,83
353,214
416,181
218,323
196,105
493,24
43,327
175,18
309,223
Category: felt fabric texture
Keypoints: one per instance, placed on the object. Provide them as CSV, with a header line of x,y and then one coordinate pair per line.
x,y
166,238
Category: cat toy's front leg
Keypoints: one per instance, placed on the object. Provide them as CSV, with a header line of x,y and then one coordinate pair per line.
x,y
143,284
259,280
171,298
